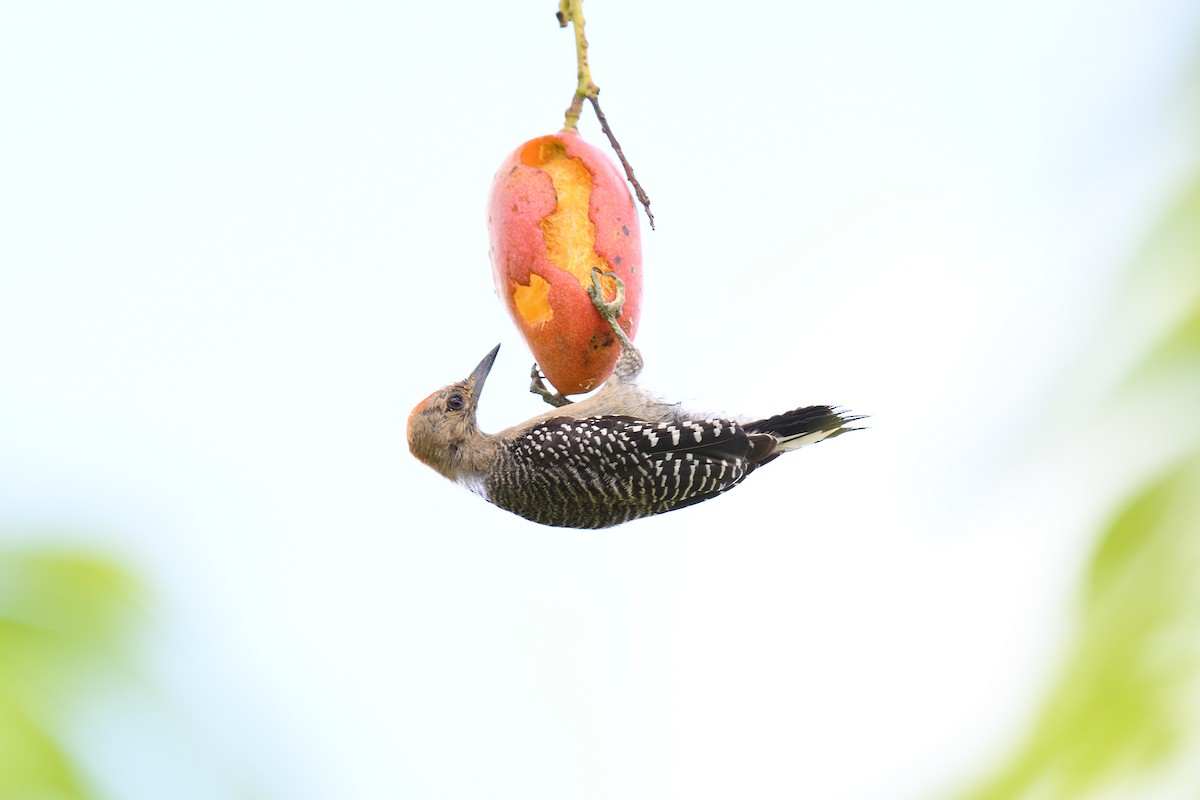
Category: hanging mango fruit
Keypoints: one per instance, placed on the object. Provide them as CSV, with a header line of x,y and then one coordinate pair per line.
x,y
559,208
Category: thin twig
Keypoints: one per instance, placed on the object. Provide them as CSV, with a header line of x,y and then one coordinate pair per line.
x,y
642,197
571,12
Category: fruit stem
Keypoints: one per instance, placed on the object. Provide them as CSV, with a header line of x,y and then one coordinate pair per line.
x,y
571,12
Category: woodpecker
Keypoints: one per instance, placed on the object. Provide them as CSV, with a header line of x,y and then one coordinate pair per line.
x,y
619,455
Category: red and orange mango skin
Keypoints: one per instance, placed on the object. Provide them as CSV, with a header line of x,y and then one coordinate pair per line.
x,y
558,208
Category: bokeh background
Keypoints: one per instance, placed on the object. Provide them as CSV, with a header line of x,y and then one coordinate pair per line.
x,y
240,240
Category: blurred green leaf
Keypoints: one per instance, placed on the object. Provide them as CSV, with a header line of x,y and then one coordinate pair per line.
x,y
1119,712
1115,711
60,615
32,765
1172,262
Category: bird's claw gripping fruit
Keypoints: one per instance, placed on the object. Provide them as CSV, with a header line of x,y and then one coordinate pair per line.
x,y
559,209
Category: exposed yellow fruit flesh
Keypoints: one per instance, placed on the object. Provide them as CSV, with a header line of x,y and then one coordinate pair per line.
x,y
568,231
533,301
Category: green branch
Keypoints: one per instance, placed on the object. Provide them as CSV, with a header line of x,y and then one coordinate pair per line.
x,y
570,12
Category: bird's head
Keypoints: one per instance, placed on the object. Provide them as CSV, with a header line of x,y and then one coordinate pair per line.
x,y
442,428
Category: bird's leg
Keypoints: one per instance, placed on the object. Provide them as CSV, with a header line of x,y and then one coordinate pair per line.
x,y
630,361
537,386
609,309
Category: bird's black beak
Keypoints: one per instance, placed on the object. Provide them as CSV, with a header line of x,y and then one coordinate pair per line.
x,y
479,375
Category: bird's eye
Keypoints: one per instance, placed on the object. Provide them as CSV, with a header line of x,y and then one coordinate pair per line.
x,y
456,401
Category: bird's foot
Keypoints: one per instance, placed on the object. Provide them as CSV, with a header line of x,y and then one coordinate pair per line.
x,y
609,309
630,361
537,385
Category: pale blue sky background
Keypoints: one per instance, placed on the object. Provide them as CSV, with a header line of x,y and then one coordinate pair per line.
x,y
240,240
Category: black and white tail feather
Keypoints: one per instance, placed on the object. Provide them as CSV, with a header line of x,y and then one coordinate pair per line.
x,y
797,428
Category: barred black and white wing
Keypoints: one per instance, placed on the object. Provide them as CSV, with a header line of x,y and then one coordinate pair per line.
x,y
602,471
